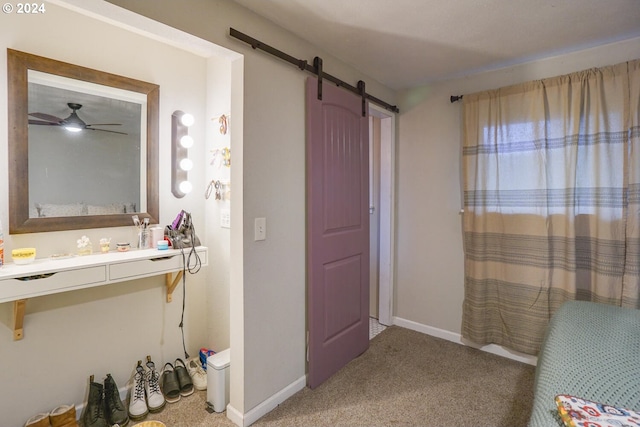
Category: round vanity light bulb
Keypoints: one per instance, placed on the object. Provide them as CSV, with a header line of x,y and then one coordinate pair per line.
x,y
186,141
186,187
187,119
186,164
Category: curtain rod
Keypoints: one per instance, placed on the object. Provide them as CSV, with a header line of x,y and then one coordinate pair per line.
x,y
316,69
455,98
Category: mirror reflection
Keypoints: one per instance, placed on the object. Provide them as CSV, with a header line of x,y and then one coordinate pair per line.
x,y
85,151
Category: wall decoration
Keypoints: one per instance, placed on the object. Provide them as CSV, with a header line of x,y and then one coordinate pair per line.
x,y
221,157
222,190
224,122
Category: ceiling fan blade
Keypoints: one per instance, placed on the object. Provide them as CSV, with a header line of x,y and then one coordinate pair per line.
x,y
47,117
105,130
41,122
105,124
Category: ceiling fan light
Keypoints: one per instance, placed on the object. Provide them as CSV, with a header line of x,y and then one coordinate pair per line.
x,y
73,123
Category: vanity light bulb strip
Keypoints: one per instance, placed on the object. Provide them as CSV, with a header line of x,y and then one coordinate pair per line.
x,y
180,144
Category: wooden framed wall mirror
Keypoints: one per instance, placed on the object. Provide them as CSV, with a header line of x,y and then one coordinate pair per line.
x,y
83,146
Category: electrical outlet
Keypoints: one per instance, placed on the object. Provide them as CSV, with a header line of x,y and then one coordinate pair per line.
x,y
260,231
225,218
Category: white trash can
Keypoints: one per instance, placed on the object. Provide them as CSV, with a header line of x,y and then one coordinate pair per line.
x,y
218,380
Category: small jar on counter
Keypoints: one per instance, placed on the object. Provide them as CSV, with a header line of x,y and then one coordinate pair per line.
x,y
123,247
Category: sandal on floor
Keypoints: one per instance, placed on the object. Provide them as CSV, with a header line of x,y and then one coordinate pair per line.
x,y
170,383
186,384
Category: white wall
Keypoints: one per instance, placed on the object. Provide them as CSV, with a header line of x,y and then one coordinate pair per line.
x,y
72,335
430,262
218,238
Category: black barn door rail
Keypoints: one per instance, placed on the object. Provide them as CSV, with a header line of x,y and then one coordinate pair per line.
x,y
316,69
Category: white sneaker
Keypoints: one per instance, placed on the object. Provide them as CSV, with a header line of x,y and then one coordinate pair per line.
x,y
155,398
137,404
198,375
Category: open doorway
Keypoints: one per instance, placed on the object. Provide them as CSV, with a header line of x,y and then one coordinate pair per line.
x,y
381,202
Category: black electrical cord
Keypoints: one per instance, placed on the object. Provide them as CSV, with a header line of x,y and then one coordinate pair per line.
x,y
192,269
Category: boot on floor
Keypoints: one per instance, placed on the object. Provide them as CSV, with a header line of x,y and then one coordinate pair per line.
x,y
63,416
138,408
115,411
40,420
155,398
93,414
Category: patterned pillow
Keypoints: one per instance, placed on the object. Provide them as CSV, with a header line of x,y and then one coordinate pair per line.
x,y
46,210
113,208
577,412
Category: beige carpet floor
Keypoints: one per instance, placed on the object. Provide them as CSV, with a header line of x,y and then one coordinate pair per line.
x,y
405,379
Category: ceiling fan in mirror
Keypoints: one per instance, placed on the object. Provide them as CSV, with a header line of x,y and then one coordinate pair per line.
x,y
73,123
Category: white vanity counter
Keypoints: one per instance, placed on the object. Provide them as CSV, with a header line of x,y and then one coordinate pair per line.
x,y
51,276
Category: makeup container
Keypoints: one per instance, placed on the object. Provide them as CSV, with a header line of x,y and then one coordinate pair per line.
x,y
123,247
157,234
162,245
144,239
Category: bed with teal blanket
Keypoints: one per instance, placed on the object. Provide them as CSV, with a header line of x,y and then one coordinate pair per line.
x,y
591,351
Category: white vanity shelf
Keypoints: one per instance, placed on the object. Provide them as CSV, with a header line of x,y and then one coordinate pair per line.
x,y
52,276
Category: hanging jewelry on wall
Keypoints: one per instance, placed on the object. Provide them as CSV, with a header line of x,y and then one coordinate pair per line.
x,y
207,192
221,157
226,157
222,190
223,120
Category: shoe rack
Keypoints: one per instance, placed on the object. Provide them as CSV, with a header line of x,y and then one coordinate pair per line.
x,y
18,283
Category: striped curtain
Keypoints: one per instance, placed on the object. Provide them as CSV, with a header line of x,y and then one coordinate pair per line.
x,y
551,180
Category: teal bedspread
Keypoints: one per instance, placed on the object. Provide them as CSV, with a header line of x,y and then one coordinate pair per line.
x,y
591,351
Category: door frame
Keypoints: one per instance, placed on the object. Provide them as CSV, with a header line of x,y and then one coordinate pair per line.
x,y
386,209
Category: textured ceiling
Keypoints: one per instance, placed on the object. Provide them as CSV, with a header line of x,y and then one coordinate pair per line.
x,y
407,43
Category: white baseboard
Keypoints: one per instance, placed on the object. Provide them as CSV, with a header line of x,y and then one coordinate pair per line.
x,y
235,416
245,420
457,338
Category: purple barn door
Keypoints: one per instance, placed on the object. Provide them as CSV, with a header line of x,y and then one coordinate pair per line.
x,y
337,229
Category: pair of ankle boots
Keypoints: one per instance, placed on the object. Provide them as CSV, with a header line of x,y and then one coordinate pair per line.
x,y
145,394
62,416
104,406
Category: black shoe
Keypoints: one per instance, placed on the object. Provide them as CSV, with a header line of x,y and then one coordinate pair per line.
x,y
186,384
170,384
114,409
93,414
